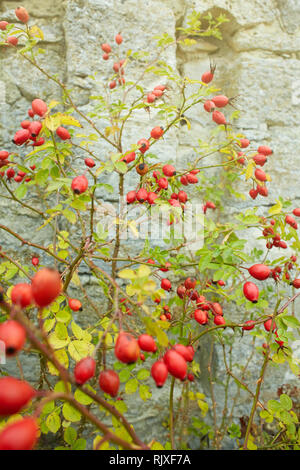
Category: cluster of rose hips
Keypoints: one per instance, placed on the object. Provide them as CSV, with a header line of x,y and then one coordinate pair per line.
x,y
274,239
118,67
23,16
10,172
31,131
203,306
260,177
263,151
155,94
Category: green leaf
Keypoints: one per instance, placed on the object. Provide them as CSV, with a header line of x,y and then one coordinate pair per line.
x,y
61,331
291,321
131,386
70,435
70,413
53,422
145,392
49,324
285,417
77,331
48,408
82,398
80,444
21,191
143,374
121,167
286,402
78,204
70,216
63,316
124,375
276,209
69,120
268,417
41,176
274,406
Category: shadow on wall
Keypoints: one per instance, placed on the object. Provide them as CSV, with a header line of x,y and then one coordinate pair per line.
x,y
192,61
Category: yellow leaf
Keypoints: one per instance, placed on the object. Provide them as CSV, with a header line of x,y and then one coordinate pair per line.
x,y
143,271
249,170
36,32
52,122
62,358
131,290
104,446
79,349
149,287
69,120
162,337
157,446
276,209
52,104
127,274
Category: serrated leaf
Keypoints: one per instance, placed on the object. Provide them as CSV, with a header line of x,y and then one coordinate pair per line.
x,y
52,122
70,413
77,331
291,321
56,342
70,216
79,349
131,386
145,392
249,170
80,444
286,402
53,422
69,120
143,271
36,32
21,191
48,324
62,358
124,375
70,435
121,167
276,209
82,398
268,417
143,374
274,406
127,274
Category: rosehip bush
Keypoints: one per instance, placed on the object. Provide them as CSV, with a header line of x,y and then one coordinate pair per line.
x,y
158,304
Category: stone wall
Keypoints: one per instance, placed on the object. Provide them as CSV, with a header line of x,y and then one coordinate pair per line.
x,y
258,61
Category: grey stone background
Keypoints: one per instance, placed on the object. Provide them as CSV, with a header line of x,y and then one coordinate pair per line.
x,y
258,60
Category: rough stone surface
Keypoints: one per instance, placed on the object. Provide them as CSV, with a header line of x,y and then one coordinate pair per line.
x,y
258,61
